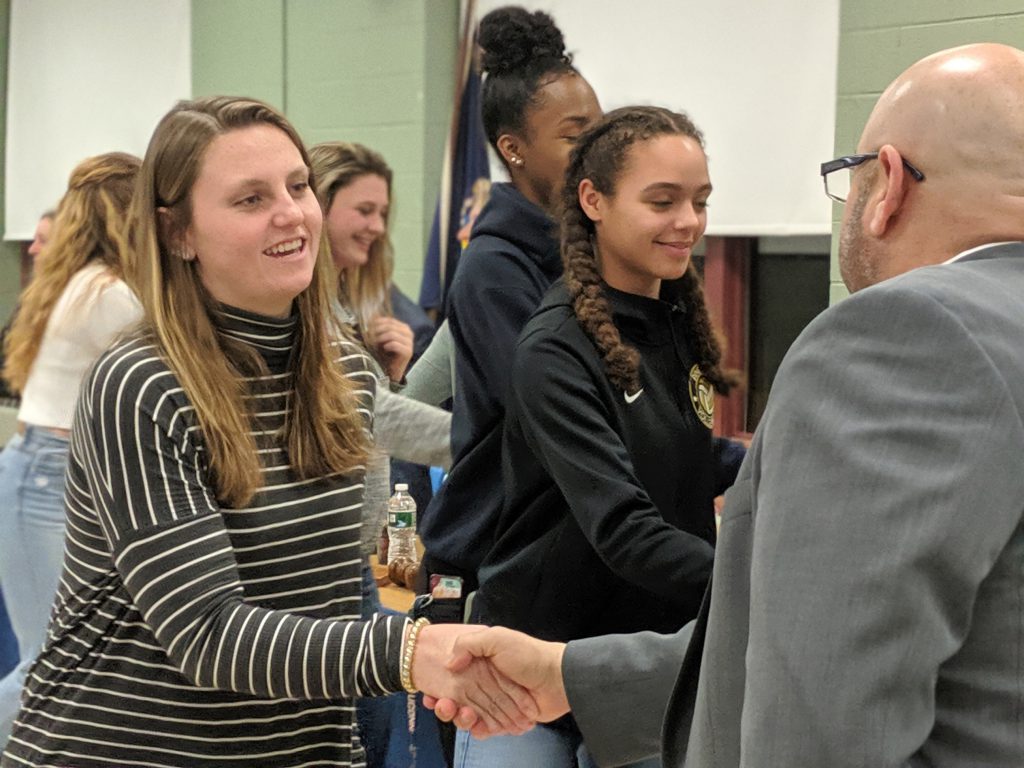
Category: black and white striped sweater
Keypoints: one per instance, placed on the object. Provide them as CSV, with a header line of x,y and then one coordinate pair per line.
x,y
189,634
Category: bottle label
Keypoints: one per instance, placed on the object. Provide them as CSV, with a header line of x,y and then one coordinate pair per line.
x,y
401,519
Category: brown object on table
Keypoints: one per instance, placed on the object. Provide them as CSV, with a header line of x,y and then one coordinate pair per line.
x,y
404,572
392,596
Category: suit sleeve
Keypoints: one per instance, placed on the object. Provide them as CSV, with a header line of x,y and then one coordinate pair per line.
x,y
567,426
619,688
882,501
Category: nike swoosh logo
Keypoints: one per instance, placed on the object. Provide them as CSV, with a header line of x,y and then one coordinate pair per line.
x,y
630,399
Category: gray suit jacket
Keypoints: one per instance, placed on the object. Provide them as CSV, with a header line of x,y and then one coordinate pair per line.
x,y
868,600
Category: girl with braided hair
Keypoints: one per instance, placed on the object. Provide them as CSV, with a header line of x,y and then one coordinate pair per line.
x,y
609,463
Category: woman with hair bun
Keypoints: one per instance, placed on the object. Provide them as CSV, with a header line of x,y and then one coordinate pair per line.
x,y
75,306
610,466
534,105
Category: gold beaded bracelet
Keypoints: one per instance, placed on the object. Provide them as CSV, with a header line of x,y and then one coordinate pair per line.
x,y
405,670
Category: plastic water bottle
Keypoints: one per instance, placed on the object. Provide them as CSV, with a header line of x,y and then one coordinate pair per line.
x,y
402,525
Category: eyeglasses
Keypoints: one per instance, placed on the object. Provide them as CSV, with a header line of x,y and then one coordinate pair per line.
x,y
837,185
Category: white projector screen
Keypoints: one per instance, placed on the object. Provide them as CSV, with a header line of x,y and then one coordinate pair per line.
x,y
85,78
758,78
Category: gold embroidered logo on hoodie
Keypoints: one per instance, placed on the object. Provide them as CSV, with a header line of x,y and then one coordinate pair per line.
x,y
702,396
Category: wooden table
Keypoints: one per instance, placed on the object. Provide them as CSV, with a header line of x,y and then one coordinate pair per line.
x,y
391,596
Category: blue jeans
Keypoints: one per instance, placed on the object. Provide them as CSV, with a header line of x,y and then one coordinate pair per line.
x,y
383,722
543,746
31,548
9,656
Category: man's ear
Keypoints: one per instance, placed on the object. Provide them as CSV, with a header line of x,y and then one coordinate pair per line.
x,y
894,178
591,201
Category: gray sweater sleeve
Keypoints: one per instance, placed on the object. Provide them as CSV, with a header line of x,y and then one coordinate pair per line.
x,y
413,431
408,430
432,379
377,489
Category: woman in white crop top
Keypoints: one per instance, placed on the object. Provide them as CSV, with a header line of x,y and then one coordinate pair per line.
x,y
75,306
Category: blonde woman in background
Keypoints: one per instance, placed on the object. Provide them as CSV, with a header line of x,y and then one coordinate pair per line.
x,y
353,185
41,236
354,188
75,306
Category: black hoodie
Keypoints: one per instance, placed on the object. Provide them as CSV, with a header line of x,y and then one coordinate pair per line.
x,y
608,524
511,260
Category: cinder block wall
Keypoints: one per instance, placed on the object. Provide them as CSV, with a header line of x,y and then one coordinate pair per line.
x,y
375,71
379,71
879,38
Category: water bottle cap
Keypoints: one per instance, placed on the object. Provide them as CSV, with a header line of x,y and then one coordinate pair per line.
x,y
401,486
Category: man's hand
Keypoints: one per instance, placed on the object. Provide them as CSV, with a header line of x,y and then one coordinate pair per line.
x,y
491,703
533,664
393,341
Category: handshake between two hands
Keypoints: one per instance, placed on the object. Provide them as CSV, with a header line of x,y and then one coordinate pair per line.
x,y
489,680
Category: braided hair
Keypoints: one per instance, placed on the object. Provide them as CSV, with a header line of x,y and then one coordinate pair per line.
x,y
600,155
522,52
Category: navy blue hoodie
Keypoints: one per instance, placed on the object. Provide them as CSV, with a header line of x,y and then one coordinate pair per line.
x,y
511,260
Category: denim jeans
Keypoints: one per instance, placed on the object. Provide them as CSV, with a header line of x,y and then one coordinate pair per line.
x,y
9,656
543,746
383,722
31,548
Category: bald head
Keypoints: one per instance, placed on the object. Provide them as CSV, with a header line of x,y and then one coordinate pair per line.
x,y
958,116
959,112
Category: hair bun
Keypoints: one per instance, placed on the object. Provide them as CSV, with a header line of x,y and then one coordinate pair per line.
x,y
513,38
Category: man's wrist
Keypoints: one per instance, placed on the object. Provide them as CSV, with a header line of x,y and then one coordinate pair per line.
x,y
559,694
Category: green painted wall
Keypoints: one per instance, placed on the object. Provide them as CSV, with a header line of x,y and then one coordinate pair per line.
x,y
238,49
375,71
10,252
380,72
878,39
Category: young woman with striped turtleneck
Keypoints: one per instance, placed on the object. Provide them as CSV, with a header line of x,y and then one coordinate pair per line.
x,y
208,611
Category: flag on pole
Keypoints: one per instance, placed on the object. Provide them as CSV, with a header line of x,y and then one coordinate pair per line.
x,y
465,176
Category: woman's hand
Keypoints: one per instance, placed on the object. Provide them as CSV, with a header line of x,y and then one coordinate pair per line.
x,y
478,693
392,340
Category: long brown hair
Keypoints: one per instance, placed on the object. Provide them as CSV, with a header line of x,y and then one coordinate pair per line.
x,y
88,228
365,289
323,432
600,155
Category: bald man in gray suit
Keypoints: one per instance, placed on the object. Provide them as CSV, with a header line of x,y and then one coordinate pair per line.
x,y
867,607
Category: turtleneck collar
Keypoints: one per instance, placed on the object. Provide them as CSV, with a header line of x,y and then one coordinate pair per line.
x,y
271,337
